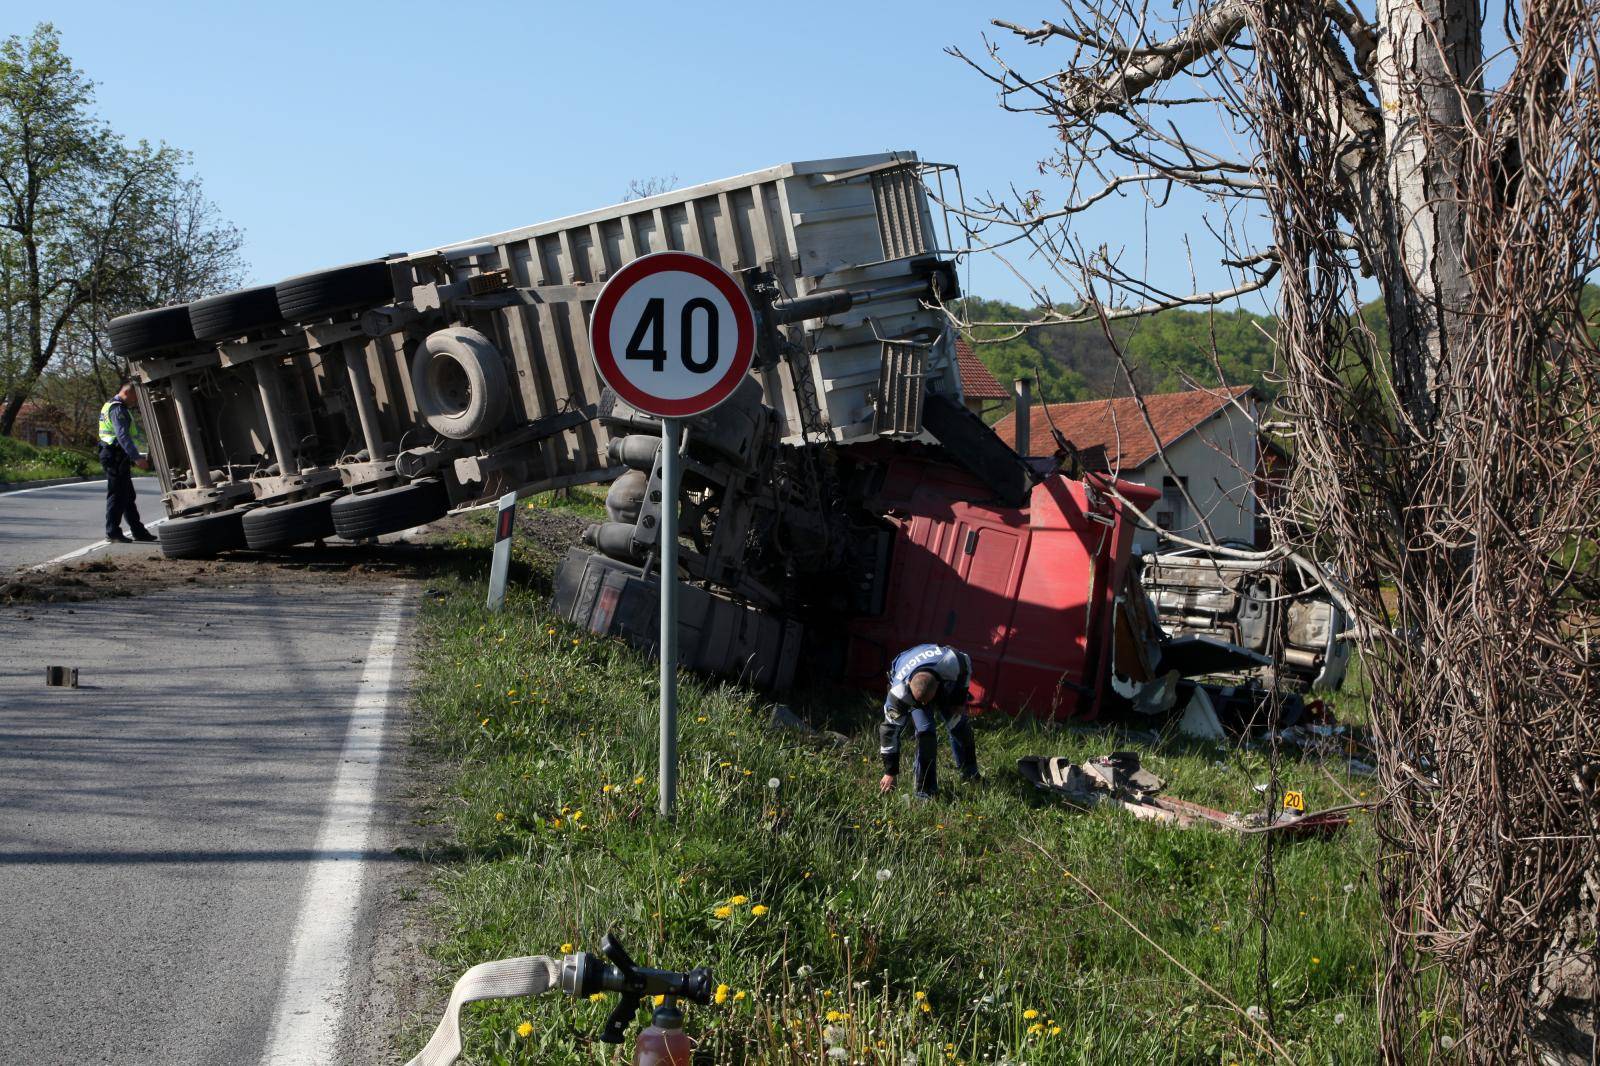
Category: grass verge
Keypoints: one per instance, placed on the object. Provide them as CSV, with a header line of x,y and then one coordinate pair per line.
x,y
965,929
20,461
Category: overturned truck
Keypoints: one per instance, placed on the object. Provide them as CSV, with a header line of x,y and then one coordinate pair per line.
x,y
842,504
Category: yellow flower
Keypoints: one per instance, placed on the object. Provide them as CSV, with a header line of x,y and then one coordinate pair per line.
x,y
574,642
701,718
499,816
596,997
925,1007
759,910
1055,1030
555,823
835,1016
739,901
1035,1029
737,996
656,1001
639,780
577,815
1315,961
919,996
1030,1014
511,692
484,722
566,949
721,994
723,912
550,632
605,788
525,1029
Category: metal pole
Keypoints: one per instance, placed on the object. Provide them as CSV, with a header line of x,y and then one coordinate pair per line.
x,y
671,430
500,563
272,403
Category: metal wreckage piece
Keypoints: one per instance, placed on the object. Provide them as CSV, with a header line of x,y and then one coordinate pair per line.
x,y
1119,779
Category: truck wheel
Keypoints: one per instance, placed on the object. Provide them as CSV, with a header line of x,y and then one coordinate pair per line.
x,y
460,382
233,314
289,523
308,297
202,536
149,331
371,514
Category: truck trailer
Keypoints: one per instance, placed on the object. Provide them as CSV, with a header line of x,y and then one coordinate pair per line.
x,y
841,505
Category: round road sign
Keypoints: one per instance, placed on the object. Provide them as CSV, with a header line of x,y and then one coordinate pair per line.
x,y
673,334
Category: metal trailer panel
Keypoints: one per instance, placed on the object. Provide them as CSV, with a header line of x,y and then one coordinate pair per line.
x,y
846,222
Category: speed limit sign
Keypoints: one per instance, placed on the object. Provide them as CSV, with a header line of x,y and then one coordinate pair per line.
x,y
672,334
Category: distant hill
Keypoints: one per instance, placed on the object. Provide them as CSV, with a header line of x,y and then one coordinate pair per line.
x,y
1168,352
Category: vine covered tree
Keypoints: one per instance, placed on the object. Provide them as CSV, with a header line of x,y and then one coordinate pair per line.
x,y
1446,156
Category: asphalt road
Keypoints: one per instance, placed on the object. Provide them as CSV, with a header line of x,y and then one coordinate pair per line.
x,y
164,827
38,525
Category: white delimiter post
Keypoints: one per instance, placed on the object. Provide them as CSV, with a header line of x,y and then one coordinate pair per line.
x,y
671,429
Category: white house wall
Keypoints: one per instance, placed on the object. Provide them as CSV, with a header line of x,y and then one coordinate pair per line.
x,y
1216,459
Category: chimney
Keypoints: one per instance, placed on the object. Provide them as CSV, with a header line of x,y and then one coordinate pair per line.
x,y
1024,390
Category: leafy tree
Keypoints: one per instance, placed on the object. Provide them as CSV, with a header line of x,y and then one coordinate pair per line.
x,y
90,225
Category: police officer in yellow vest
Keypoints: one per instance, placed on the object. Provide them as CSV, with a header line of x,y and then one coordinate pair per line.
x,y
122,444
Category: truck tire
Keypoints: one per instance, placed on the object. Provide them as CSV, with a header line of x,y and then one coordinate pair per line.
x,y
289,523
202,536
372,514
309,297
149,331
233,314
459,379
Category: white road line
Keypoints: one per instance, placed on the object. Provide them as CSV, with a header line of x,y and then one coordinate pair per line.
x,y
311,1002
85,550
47,488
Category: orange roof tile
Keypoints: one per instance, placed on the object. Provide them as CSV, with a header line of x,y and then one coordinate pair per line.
x,y
1116,425
976,381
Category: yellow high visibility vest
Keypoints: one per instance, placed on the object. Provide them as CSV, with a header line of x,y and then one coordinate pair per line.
x,y
108,430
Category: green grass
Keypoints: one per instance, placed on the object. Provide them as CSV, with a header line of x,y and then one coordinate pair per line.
x,y
20,461
929,930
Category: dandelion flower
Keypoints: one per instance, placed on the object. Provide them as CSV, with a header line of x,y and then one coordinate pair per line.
x,y
605,788
656,1001
739,995
639,780
701,718
511,692
574,642
723,912
739,901
550,632
596,997
1055,1030
721,995
1315,961
577,816
1036,1028
919,996
1338,1019
884,875
566,949
925,1007
499,816
759,910
1030,1014
525,1029
773,782
835,1016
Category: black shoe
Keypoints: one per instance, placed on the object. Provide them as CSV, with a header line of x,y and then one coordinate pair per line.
x,y
144,536
118,538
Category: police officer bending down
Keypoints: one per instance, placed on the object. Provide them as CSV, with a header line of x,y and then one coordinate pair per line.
x,y
924,679
120,440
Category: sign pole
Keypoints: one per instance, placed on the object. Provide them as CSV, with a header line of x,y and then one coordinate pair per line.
x,y
671,431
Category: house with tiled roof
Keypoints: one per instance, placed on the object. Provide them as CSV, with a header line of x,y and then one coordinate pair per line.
x,y
979,389
1210,439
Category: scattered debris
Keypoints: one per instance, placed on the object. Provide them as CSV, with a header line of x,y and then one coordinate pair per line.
x,y
1119,778
61,676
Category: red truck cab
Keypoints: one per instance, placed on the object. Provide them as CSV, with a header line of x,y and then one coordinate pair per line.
x,y
1028,592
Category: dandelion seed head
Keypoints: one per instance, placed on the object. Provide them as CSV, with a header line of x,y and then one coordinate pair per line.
x,y
884,875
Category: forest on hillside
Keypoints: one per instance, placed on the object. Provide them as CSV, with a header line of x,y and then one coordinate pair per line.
x,y
1167,352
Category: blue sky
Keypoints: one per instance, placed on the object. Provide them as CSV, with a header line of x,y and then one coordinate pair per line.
x,y
343,130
